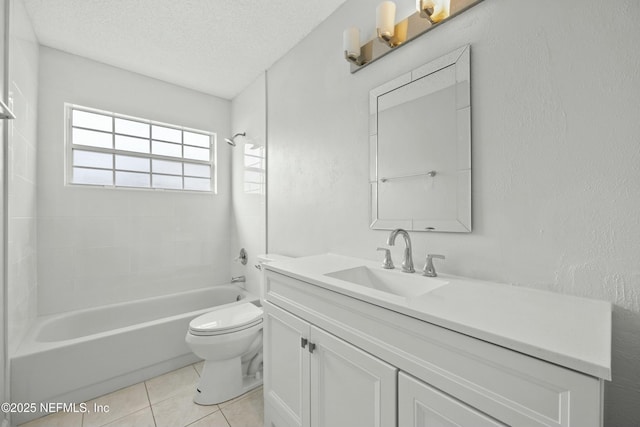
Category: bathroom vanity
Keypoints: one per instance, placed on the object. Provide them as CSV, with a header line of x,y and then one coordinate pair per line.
x,y
350,344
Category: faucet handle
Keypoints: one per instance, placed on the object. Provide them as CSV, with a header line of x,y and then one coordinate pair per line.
x,y
429,270
387,262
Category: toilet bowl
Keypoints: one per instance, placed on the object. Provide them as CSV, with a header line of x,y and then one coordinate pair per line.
x,y
229,339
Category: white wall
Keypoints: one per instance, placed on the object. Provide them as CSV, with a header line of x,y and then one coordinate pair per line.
x,y
98,246
248,111
555,89
21,162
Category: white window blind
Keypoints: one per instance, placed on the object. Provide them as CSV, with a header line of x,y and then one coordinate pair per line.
x,y
112,150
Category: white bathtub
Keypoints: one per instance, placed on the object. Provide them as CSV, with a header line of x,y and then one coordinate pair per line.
x,y
79,355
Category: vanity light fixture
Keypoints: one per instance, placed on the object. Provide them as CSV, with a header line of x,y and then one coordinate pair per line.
x,y
429,14
434,10
386,28
385,21
351,45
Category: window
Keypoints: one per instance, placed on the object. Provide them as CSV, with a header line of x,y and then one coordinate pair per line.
x,y
112,150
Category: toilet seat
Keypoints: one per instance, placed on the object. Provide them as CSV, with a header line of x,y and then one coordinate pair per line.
x,y
226,320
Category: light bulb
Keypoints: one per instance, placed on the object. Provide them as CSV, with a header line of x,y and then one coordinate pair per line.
x,y
434,10
385,19
351,42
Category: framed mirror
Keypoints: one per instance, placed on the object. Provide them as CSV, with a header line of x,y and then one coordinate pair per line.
x,y
420,148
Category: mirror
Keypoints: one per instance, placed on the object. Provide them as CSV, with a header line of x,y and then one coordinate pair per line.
x,y
420,148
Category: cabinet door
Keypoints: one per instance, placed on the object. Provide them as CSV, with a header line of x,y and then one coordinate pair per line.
x,y
349,388
286,369
420,405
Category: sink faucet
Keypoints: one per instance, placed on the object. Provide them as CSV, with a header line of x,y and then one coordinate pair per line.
x,y
407,261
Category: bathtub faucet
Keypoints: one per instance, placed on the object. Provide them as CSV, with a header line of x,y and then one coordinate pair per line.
x,y
238,279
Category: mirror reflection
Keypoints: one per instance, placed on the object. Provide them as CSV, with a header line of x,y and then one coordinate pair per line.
x,y
254,168
420,148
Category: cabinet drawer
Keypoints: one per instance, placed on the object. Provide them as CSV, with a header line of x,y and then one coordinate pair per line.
x,y
517,389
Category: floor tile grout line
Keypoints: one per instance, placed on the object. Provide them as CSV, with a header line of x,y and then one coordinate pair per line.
x,y
119,418
225,418
176,392
235,401
194,368
240,398
126,415
116,391
217,410
150,405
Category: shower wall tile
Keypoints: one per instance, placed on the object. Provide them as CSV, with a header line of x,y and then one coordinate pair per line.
x,y
194,254
100,246
22,177
148,204
101,262
55,263
23,239
104,202
54,201
22,196
95,232
152,230
19,154
153,258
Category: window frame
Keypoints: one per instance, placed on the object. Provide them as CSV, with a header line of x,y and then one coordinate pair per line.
x,y
69,147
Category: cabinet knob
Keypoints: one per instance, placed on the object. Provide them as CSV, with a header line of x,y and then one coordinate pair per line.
x,y
312,347
303,342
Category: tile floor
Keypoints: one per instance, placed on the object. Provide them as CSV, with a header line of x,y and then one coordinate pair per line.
x,y
164,401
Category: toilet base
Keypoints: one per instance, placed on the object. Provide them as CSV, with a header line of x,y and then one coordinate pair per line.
x,y
249,383
222,380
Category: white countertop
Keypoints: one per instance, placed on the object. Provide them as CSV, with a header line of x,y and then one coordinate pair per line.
x,y
569,331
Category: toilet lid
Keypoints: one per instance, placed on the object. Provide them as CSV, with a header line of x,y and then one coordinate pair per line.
x,y
226,319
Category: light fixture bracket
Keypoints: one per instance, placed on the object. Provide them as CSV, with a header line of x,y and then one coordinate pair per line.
x,y
391,41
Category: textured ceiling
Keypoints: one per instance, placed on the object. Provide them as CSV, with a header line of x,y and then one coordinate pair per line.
x,y
213,46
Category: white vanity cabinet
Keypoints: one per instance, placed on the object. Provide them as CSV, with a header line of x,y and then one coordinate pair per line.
x,y
365,353
314,379
420,405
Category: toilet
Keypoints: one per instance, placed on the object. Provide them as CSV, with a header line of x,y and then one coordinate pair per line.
x,y
229,339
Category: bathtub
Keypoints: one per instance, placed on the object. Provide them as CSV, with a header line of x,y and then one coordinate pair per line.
x,y
79,355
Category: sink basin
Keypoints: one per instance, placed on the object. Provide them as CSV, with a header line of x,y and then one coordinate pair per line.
x,y
392,282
